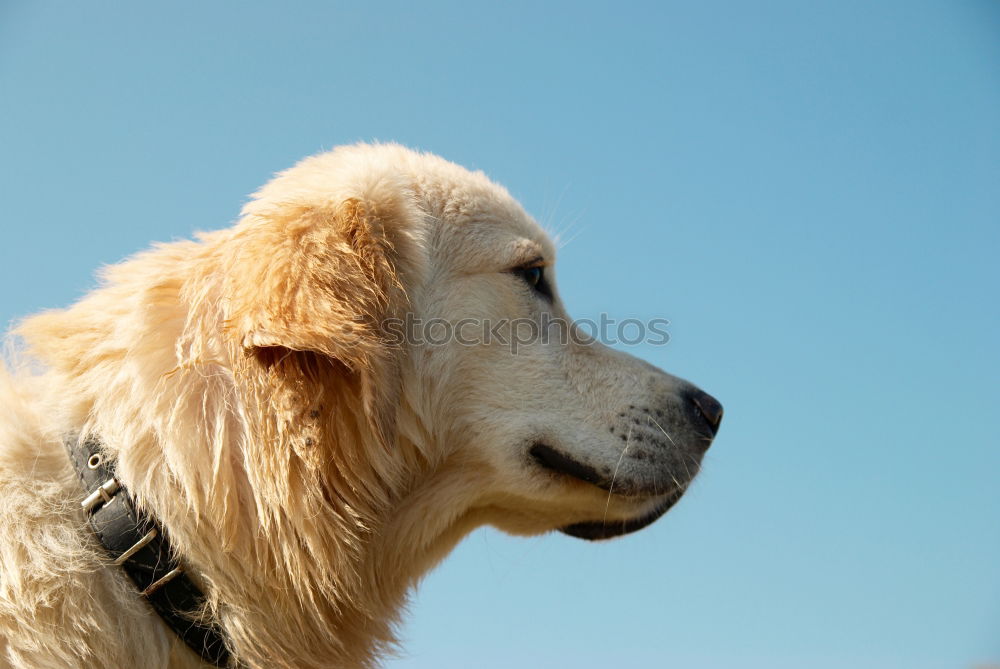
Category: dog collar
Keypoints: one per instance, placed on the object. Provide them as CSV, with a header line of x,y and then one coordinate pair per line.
x,y
137,544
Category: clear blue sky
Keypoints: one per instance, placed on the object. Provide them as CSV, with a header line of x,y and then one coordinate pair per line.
x,y
809,191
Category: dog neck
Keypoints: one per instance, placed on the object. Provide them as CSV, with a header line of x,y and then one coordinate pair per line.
x,y
291,585
303,526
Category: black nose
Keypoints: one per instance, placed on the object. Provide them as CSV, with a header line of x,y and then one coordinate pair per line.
x,y
708,408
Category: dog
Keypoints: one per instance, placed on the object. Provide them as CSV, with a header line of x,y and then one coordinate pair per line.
x,y
261,397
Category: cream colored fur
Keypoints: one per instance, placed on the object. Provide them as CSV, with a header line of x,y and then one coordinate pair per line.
x,y
307,472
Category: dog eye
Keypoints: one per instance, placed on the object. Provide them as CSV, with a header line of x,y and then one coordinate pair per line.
x,y
535,277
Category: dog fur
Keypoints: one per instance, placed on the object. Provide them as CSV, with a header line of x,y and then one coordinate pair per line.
x,y
307,471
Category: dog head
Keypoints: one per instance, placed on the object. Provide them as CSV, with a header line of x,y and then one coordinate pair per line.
x,y
434,294
320,401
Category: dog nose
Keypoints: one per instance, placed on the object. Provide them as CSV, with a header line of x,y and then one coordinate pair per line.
x,y
708,408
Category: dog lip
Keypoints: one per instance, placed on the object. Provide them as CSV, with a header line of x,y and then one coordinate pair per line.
x,y
557,461
597,530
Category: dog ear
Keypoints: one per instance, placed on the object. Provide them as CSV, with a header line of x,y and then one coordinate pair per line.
x,y
315,279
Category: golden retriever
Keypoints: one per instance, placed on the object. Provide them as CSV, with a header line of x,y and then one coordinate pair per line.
x,y
265,394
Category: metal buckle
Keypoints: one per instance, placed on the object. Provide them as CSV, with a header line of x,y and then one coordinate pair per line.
x,y
103,495
136,547
159,583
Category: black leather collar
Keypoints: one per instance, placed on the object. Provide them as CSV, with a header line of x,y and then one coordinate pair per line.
x,y
137,543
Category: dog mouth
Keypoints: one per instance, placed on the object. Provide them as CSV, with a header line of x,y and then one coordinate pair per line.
x,y
556,461
597,530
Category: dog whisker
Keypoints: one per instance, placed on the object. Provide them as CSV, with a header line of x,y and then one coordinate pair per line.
x,y
614,476
665,434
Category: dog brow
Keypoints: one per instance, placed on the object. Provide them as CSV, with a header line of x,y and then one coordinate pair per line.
x,y
524,253
536,261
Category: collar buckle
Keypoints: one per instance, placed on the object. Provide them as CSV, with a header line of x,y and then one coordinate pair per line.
x,y
102,495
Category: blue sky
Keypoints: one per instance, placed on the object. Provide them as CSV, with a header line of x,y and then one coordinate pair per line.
x,y
809,191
